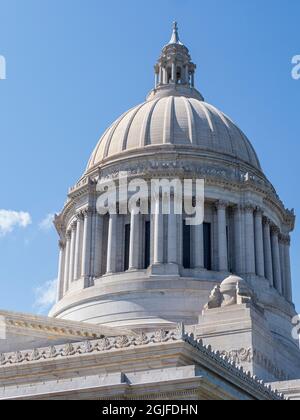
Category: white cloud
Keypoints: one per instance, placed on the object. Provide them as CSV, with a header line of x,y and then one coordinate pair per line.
x,y
9,220
45,295
47,223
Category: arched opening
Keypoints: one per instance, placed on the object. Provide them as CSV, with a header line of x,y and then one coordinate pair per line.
x,y
127,247
147,239
207,246
186,257
169,74
179,75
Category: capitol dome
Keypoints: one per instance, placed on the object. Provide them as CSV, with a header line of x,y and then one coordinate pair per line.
x,y
150,270
172,118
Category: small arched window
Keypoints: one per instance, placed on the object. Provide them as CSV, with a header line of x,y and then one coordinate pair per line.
x,y
186,245
207,246
127,247
178,75
147,244
169,74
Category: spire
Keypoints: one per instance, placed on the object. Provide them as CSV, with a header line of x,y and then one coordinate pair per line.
x,y
175,36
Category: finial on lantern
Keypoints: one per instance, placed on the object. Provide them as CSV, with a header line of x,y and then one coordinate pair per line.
x,y
175,35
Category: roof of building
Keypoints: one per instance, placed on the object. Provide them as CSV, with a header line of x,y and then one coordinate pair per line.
x,y
106,366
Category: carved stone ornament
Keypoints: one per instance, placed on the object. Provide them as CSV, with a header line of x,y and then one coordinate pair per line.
x,y
239,356
215,299
233,291
249,355
161,337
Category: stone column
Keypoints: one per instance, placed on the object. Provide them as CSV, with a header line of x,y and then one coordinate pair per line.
x,y
222,236
276,258
193,80
173,72
67,262
112,245
156,78
281,240
249,239
238,236
198,247
98,245
164,72
61,268
86,245
72,252
173,243
259,243
238,247
187,74
288,274
268,251
158,218
161,75
134,255
78,247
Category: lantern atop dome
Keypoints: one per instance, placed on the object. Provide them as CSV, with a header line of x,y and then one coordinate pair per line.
x,y
175,67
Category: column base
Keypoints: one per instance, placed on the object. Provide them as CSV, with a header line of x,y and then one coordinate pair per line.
x,y
109,273
132,270
165,269
200,270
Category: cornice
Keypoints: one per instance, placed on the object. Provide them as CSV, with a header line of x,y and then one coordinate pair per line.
x,y
107,344
173,163
165,150
56,327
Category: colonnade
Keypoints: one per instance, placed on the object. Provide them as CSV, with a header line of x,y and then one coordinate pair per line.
x,y
92,245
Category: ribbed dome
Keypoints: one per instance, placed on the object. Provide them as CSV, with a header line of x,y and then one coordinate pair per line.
x,y
175,120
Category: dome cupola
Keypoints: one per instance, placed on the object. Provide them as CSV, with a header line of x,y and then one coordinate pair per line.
x,y
175,71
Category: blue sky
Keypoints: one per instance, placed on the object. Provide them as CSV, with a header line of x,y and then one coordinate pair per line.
x,y
74,66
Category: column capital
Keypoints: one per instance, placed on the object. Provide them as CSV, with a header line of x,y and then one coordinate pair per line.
x,y
68,235
258,211
87,212
249,208
266,221
238,207
61,244
285,239
275,230
221,204
74,225
79,216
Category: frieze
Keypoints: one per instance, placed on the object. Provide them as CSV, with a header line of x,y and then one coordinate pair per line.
x,y
239,356
39,326
266,363
248,356
212,174
173,167
226,176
